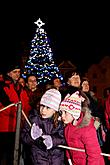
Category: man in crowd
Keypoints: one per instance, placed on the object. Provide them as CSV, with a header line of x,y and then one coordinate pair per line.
x,y
10,92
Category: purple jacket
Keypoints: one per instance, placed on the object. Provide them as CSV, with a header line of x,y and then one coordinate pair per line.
x,y
39,154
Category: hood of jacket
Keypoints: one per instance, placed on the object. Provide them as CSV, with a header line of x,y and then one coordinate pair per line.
x,y
85,118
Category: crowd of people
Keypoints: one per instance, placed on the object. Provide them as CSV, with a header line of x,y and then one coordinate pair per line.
x,y
61,116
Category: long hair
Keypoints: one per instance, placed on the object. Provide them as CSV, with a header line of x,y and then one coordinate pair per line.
x,y
55,118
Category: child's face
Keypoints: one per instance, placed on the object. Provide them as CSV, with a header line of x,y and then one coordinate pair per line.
x,y
46,112
66,117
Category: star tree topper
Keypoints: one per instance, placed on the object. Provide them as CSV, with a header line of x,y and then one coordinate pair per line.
x,y
39,23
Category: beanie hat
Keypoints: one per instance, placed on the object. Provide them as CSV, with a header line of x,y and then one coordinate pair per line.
x,y
72,104
12,67
51,99
9,67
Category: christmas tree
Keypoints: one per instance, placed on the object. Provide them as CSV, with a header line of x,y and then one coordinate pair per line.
x,y
40,62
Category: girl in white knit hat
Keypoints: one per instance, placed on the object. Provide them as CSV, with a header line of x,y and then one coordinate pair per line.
x,y
46,132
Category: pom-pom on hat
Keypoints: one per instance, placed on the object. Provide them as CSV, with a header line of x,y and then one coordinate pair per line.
x,y
72,104
51,99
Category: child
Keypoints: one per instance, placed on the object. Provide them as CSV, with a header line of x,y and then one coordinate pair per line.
x,y
80,132
46,132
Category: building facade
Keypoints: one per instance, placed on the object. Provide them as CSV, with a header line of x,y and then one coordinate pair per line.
x,y
99,76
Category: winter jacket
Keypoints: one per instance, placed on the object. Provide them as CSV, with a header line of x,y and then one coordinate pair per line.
x,y
83,136
39,154
10,94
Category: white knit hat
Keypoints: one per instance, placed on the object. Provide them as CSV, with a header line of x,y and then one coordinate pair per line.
x,y
72,104
51,99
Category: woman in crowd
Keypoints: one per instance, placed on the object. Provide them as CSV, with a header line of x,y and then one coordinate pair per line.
x,y
96,111
34,91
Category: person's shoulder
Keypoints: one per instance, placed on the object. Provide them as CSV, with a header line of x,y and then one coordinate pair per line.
x,y
34,116
33,113
5,83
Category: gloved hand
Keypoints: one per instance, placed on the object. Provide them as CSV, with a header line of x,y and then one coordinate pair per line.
x,y
97,124
47,141
36,132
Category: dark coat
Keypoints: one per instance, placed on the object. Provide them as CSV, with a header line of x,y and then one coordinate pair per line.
x,y
39,154
93,105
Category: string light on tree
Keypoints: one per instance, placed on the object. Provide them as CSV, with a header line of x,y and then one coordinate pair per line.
x,y
40,61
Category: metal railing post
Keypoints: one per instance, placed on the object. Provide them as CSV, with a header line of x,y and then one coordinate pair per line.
x,y
17,134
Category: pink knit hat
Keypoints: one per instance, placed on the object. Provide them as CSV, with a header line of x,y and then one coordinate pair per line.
x,y
51,99
72,104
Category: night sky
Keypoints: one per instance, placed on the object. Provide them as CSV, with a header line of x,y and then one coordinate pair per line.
x,y
81,35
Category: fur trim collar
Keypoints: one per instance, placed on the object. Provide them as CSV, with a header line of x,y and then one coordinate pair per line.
x,y
85,118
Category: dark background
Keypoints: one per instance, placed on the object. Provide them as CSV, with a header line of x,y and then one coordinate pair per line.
x,y
77,32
